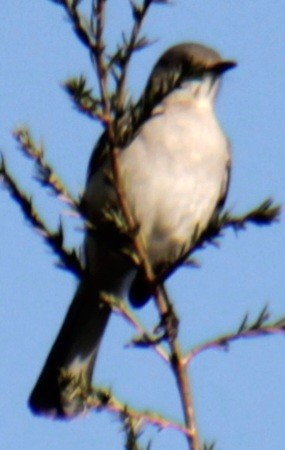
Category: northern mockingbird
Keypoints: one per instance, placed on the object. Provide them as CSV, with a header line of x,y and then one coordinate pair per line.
x,y
175,172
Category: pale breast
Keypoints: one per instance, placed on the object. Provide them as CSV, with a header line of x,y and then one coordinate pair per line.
x,y
175,172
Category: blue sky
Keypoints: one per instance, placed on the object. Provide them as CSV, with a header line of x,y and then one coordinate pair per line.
x,y
239,394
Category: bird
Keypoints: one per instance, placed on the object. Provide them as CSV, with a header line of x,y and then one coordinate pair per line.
x,y
175,170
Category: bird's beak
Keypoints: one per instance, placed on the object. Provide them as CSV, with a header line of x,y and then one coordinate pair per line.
x,y
221,67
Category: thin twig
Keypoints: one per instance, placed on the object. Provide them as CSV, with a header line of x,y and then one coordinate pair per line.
x,y
266,213
139,14
46,174
68,258
259,328
79,25
106,400
98,25
145,339
83,98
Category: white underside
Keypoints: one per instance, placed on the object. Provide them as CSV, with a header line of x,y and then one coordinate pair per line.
x,y
174,172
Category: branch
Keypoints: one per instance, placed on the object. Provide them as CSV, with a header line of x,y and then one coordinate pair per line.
x,y
209,446
132,431
46,175
264,214
83,98
104,399
260,327
80,24
98,56
68,258
145,339
123,56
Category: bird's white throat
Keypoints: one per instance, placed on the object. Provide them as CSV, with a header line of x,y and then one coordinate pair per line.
x,y
202,92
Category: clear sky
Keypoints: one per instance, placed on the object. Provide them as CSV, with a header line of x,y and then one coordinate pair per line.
x,y
240,394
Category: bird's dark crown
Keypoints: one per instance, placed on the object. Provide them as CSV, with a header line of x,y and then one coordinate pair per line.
x,y
183,62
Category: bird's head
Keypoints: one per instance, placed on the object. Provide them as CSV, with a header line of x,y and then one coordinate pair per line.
x,y
192,64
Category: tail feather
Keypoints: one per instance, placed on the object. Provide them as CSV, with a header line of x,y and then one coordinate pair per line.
x,y
71,360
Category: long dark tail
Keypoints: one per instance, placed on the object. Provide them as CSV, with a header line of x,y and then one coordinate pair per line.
x,y
71,360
